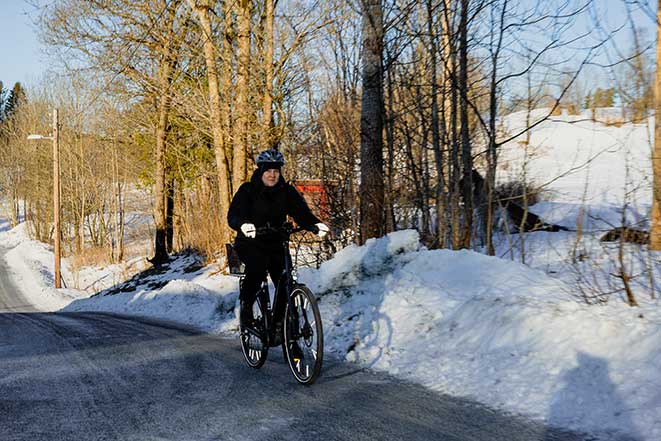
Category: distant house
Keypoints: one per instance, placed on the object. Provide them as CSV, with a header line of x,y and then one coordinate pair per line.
x,y
316,194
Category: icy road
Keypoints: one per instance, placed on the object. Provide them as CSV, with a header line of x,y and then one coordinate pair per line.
x,y
84,376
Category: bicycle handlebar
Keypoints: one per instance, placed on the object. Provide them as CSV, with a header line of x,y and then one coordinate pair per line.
x,y
286,229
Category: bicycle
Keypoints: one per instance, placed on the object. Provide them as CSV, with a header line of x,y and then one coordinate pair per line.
x,y
302,321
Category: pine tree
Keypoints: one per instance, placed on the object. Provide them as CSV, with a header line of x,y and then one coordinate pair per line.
x,y
3,92
15,98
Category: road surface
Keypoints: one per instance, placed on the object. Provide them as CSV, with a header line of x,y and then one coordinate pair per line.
x,y
90,376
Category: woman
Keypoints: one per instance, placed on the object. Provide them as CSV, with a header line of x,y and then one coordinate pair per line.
x,y
266,200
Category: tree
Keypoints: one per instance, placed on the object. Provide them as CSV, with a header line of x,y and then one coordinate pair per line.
x,y
603,98
371,123
466,151
140,44
202,9
167,62
267,100
14,99
241,123
655,228
438,131
3,92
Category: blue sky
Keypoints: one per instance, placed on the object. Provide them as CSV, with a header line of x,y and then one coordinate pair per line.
x,y
22,59
20,56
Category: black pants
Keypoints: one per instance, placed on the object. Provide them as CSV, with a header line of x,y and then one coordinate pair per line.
x,y
260,258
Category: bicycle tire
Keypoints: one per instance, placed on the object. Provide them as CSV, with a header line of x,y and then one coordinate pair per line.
x,y
298,329
255,349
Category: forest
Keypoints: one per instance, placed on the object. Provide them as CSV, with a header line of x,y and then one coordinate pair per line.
x,y
393,107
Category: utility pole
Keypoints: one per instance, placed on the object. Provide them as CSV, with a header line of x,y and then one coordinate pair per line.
x,y
55,137
56,194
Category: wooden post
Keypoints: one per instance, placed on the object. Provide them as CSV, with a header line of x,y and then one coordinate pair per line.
x,y
56,194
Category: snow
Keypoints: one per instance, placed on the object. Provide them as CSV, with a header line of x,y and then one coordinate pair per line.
x,y
468,324
31,268
582,164
516,337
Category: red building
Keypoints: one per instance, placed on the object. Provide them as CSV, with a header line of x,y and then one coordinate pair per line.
x,y
315,192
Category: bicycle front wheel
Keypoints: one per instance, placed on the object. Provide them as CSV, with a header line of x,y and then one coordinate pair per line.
x,y
303,336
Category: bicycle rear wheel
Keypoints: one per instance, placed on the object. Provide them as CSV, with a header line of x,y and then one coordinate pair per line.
x,y
303,336
253,338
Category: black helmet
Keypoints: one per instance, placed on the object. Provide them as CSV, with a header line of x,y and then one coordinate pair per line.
x,y
270,157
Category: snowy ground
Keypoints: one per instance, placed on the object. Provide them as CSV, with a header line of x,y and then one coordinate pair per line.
x,y
518,337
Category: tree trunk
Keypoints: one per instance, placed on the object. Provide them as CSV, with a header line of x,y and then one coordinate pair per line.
x,y
466,155
160,246
655,229
167,64
242,104
169,214
451,104
120,223
371,123
490,181
437,127
492,153
226,88
217,125
267,103
390,219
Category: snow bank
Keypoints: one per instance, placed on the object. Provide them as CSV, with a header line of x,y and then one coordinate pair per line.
x,y
468,324
31,266
183,291
179,300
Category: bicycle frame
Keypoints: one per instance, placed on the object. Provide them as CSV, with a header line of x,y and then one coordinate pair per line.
x,y
284,286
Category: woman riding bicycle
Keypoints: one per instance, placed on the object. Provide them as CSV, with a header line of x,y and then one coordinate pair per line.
x,y
265,201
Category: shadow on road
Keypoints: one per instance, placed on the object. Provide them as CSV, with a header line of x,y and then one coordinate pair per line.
x,y
588,393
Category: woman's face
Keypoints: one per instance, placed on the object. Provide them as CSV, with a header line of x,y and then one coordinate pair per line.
x,y
270,177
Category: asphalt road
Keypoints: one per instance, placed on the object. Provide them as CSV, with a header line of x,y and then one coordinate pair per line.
x,y
89,376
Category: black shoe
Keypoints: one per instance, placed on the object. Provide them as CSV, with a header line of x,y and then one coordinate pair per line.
x,y
247,318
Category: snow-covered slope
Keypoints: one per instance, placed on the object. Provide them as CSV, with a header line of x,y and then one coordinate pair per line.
x,y
581,163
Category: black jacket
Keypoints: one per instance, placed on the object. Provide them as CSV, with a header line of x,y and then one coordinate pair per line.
x,y
260,205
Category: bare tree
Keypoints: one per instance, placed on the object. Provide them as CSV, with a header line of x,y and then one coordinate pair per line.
x,y
267,101
371,123
242,108
143,50
202,9
655,233
466,150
